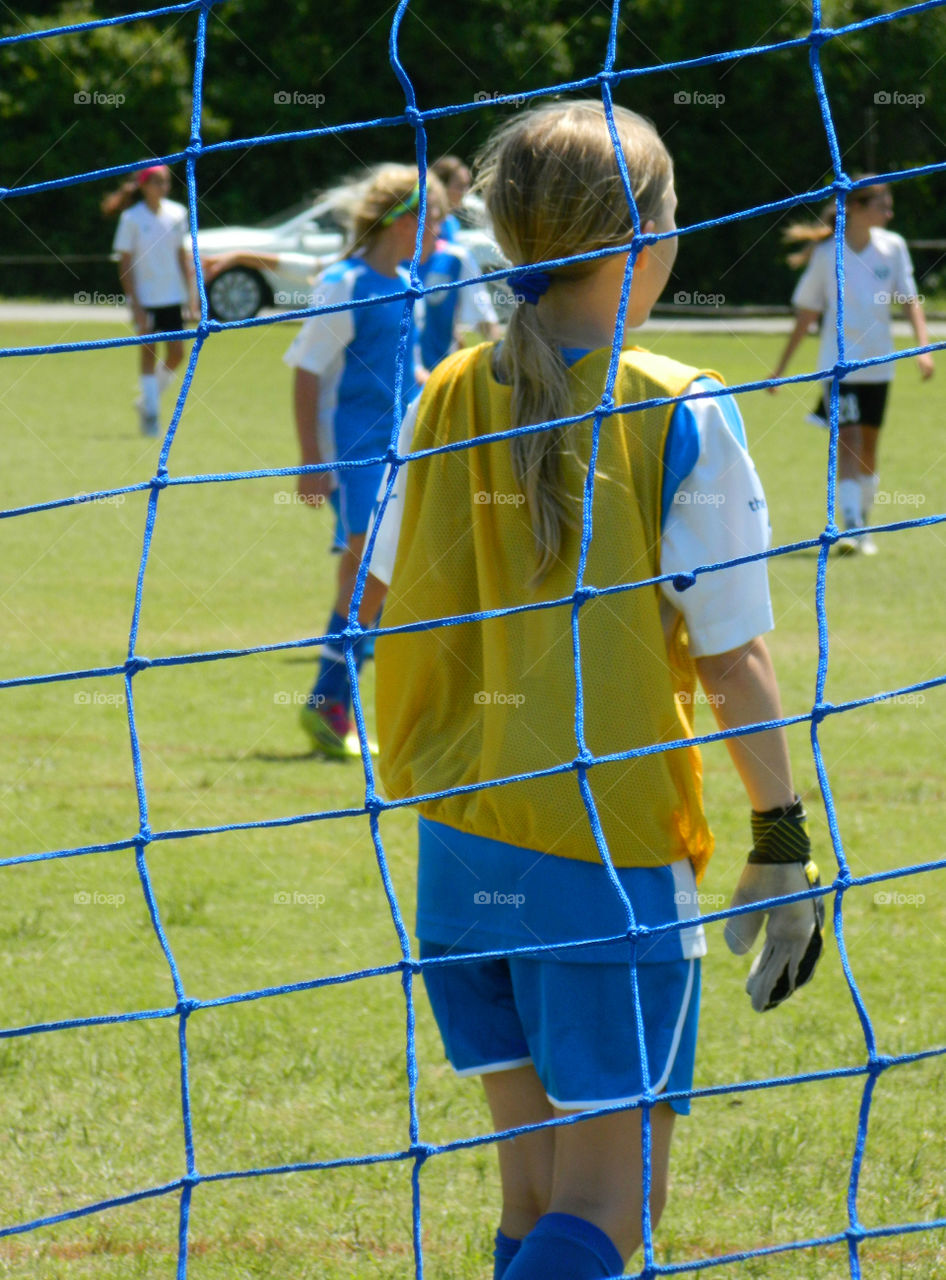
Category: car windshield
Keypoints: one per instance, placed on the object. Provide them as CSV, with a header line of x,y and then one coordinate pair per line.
x,y
323,218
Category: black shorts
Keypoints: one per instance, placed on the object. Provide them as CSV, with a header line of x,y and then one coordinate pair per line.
x,y
164,319
858,403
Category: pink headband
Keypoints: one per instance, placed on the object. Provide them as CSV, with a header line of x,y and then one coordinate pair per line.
x,y
144,175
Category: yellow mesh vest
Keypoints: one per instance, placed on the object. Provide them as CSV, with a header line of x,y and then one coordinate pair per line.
x,y
484,700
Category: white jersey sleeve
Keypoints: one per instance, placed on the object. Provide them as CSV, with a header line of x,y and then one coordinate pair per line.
x,y
905,289
475,306
126,235
385,548
718,513
321,340
818,282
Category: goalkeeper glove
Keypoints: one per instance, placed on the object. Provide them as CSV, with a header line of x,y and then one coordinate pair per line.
x,y
779,864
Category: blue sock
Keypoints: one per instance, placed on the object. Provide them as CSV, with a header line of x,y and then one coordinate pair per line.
x,y
506,1249
563,1247
332,683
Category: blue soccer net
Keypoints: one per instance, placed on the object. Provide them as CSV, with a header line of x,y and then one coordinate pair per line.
x,y
417,1152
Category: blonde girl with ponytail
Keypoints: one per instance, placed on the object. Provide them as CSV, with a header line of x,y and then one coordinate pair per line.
x,y
344,398
479,716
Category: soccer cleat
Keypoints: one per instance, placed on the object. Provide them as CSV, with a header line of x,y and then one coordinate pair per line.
x,y
868,547
149,423
847,546
329,727
353,745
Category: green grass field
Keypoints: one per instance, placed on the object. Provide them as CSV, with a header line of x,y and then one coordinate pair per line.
x,y
93,1113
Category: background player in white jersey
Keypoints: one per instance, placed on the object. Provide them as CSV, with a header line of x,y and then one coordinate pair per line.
x,y
344,396
157,274
878,273
498,526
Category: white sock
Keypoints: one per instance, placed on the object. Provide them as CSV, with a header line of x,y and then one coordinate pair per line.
x,y
165,377
849,500
869,484
149,392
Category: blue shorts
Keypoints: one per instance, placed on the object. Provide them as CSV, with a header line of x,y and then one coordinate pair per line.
x,y
574,1022
354,501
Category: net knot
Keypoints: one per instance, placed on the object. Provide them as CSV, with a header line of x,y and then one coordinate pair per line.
x,y
607,403
583,760
412,116
160,480
683,581
186,1007
144,836
820,36
136,664
820,710
583,594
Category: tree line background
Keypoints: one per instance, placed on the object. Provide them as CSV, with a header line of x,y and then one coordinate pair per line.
x,y
741,132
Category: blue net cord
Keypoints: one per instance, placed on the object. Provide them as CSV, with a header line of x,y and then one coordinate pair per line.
x,y
417,1151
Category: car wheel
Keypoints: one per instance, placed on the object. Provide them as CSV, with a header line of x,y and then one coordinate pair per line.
x,y
236,294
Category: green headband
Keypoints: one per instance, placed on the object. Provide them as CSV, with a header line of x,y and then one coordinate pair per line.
x,y
410,205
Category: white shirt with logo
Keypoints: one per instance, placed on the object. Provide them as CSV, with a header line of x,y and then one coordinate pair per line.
x,y
154,242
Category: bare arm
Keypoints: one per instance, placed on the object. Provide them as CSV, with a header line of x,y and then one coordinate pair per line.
x,y
804,319
127,276
187,267
742,689
314,487
214,264
913,310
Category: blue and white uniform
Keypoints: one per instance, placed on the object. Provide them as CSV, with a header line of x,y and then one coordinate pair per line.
x,y
447,308
481,895
353,352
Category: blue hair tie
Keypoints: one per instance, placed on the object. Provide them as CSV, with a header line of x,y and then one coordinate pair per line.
x,y
529,285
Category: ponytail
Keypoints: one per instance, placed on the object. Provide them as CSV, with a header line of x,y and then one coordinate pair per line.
x,y
123,198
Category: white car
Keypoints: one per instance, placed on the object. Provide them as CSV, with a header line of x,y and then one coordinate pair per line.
x,y
311,236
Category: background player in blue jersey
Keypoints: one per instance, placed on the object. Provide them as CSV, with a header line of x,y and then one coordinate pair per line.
x,y
448,310
878,273
456,179
497,526
344,397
